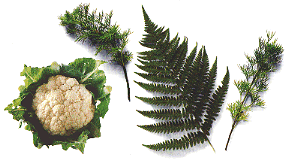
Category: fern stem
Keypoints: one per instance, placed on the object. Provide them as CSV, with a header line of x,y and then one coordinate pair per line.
x,y
211,145
205,133
126,77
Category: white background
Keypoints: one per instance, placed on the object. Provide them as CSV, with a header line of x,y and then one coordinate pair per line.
x,y
31,34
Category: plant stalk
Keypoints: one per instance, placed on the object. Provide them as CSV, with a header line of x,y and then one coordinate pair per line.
x,y
205,133
126,77
233,126
211,145
235,122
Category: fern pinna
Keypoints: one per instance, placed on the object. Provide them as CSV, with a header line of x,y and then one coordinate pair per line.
x,y
189,101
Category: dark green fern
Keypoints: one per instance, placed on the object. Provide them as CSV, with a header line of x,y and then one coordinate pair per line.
x,y
190,102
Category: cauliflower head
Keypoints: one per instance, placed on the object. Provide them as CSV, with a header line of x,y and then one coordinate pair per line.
x,y
63,105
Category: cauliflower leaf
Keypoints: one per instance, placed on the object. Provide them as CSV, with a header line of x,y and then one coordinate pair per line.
x,y
31,74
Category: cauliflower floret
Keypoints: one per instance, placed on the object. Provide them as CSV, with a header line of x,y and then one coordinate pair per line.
x,y
60,80
73,96
57,110
63,105
72,81
65,87
55,97
51,84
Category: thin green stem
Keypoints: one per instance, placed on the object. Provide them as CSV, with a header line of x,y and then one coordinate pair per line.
x,y
19,109
126,78
229,137
251,85
211,145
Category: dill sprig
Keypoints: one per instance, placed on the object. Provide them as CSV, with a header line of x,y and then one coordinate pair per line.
x,y
97,30
267,58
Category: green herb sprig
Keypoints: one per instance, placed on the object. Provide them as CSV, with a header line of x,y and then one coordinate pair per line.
x,y
266,59
98,31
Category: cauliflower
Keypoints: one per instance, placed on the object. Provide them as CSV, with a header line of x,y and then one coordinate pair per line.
x,y
64,109
63,105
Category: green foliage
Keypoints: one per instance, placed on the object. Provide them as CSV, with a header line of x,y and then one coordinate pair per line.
x,y
79,144
189,102
267,57
16,109
163,114
97,30
85,70
189,140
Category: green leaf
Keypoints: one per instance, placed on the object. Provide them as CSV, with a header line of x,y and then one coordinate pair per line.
x,y
215,103
161,88
16,109
102,108
167,127
31,74
80,144
163,114
36,140
95,126
162,100
86,66
157,78
186,141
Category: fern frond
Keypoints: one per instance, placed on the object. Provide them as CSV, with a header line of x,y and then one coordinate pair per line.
x,y
190,101
172,126
195,91
154,69
157,78
163,114
154,34
160,88
153,55
152,63
215,103
162,100
176,58
189,140
187,67
212,75
200,68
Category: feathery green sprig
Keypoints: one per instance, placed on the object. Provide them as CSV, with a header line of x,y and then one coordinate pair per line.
x,y
97,30
267,57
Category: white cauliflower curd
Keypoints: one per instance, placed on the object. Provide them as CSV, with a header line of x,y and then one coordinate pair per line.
x,y
63,105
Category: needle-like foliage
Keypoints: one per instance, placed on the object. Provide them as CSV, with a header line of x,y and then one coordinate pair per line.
x,y
266,59
97,30
190,103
